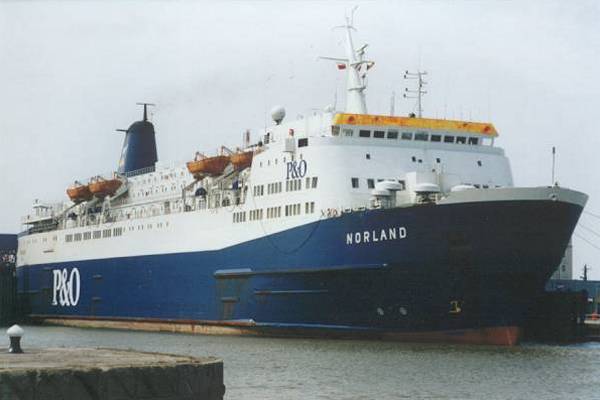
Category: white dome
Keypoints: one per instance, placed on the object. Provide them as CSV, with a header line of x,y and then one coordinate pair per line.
x,y
381,192
278,114
460,188
388,185
427,187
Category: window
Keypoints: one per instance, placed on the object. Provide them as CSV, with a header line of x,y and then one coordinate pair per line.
x,y
355,183
68,238
368,156
335,130
414,159
97,234
422,136
392,135
314,182
364,133
303,142
87,235
371,183
379,134
77,237
461,140
347,132
474,141
436,138
117,231
402,184
106,233
407,135
479,163
437,160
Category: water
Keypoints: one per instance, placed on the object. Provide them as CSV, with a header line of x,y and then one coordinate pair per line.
x,y
265,368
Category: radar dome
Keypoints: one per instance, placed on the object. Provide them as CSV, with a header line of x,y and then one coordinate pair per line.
x,y
278,114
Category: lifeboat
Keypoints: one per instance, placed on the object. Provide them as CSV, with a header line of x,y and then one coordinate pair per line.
x,y
241,160
79,193
209,166
101,187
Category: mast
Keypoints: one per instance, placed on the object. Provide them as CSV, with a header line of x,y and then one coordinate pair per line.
x,y
356,70
419,91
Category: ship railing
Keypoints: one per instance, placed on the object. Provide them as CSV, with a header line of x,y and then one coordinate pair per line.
x,y
140,171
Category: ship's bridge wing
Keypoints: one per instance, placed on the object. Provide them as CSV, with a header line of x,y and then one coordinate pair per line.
x,y
475,128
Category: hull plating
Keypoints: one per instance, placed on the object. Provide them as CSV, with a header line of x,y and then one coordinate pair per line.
x,y
458,272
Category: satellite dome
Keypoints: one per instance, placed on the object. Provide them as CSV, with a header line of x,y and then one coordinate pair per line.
x,y
278,114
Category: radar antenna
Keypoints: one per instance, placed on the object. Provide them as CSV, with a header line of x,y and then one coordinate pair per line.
x,y
356,67
418,92
146,109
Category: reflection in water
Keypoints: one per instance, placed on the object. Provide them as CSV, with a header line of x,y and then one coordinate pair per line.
x,y
264,368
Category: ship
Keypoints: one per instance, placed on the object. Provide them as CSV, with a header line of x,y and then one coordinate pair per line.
x,y
340,224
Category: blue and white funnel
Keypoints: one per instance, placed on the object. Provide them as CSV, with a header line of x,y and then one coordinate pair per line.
x,y
139,146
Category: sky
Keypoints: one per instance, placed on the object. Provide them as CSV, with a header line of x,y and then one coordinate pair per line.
x,y
72,71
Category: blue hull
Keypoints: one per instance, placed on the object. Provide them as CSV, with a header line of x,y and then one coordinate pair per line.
x,y
460,267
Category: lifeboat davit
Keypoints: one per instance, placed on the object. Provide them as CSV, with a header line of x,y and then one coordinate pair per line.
x,y
79,193
101,187
241,160
209,166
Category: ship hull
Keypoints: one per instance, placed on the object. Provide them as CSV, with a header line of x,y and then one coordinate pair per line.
x,y
464,273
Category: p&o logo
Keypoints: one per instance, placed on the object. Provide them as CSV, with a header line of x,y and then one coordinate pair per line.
x,y
296,169
65,287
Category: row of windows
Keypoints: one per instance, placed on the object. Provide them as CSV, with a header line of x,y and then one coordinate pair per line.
x,y
273,212
105,233
256,214
258,190
274,187
239,216
418,136
293,185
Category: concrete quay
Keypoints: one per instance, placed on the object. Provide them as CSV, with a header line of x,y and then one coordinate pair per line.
x,y
102,374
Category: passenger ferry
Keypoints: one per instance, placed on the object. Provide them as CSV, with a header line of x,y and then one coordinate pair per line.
x,y
341,223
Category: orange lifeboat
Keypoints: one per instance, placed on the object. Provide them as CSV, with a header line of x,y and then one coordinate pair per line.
x,y
211,166
78,192
101,187
241,160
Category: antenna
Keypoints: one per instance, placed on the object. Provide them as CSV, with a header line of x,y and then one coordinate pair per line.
x,y
585,272
392,103
146,109
356,68
553,164
416,93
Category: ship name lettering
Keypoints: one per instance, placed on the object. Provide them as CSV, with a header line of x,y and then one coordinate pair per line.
x,y
376,235
66,287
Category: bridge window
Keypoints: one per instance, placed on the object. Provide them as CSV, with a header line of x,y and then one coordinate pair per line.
x,y
448,139
354,183
392,135
461,140
436,138
335,130
474,141
364,133
348,132
407,135
303,142
379,134
422,136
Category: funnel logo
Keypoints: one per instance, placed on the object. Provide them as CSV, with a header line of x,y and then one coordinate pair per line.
x,y
65,287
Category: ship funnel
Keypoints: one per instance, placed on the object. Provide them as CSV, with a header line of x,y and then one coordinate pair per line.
x,y
139,146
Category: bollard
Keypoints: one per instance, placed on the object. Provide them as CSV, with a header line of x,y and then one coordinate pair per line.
x,y
15,333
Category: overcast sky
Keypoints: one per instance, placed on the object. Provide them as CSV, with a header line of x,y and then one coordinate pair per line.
x,y
71,72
